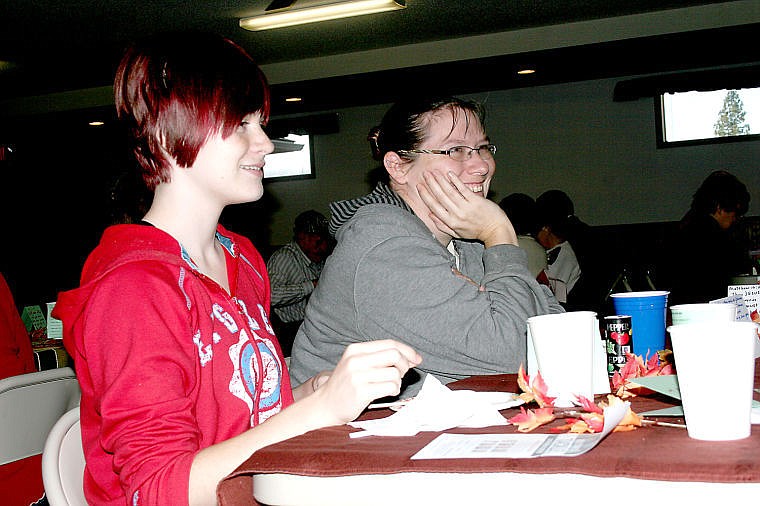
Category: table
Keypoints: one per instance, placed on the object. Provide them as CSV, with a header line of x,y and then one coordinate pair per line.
x,y
50,354
661,464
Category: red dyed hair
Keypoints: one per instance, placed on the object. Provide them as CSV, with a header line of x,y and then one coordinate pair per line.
x,y
176,90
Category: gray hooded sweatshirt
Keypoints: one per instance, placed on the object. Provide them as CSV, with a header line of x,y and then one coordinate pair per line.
x,y
389,278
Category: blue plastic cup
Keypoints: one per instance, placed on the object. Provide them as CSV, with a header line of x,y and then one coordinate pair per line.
x,y
648,312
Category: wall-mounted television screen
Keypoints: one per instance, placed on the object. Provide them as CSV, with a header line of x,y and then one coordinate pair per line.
x,y
291,159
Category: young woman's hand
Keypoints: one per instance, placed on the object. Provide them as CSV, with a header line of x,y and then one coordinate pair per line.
x,y
365,372
460,213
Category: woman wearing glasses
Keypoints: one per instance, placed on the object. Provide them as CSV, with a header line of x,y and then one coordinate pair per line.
x,y
426,258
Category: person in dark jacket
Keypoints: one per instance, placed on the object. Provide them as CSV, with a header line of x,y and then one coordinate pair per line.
x,y
707,251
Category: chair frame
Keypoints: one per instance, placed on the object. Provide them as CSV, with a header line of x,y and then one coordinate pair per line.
x,y
30,404
63,462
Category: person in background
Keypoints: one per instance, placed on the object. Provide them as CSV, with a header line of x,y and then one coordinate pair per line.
x,y
556,218
16,355
521,211
129,198
182,376
706,251
20,481
425,258
294,270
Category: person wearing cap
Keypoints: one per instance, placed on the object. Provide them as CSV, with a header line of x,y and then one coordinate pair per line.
x,y
556,220
294,270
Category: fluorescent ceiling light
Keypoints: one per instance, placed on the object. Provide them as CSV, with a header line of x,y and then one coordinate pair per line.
x,y
323,12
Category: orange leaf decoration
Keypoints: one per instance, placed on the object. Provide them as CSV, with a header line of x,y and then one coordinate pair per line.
x,y
629,422
595,421
527,420
592,418
581,427
656,365
523,381
588,405
534,390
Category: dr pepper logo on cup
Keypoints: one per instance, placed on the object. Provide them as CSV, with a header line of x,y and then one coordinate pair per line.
x,y
622,338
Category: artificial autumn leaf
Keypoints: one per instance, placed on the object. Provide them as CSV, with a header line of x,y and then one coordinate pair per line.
x,y
630,420
581,427
540,391
592,418
522,379
666,357
588,405
563,428
634,367
573,425
595,421
527,420
655,366
534,390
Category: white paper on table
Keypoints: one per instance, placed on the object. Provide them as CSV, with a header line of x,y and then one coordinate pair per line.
x,y
750,294
519,446
435,408
742,313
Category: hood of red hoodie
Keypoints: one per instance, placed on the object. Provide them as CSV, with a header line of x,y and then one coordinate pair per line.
x,y
120,245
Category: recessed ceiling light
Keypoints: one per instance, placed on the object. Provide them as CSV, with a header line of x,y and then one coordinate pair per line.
x,y
523,72
293,99
96,123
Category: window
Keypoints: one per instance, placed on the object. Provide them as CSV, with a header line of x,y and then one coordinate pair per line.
x,y
291,158
699,117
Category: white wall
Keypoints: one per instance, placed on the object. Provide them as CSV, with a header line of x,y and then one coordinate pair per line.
x,y
567,136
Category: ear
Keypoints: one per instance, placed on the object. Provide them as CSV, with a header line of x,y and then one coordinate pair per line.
x,y
396,167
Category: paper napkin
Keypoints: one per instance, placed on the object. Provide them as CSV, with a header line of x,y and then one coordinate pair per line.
x,y
437,408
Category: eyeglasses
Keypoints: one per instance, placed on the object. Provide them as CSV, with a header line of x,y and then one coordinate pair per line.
x,y
457,153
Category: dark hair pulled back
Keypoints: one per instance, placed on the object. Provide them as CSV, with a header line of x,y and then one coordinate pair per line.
x,y
404,126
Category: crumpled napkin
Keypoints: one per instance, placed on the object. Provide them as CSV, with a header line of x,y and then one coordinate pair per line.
x,y
437,408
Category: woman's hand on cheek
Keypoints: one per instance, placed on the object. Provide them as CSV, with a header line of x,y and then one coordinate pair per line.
x,y
461,213
367,371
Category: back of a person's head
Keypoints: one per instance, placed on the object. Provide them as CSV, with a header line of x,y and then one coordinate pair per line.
x,y
521,211
555,209
720,189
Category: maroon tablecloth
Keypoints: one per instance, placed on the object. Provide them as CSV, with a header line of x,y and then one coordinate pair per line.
x,y
650,452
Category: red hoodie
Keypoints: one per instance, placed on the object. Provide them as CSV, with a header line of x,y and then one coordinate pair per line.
x,y
168,362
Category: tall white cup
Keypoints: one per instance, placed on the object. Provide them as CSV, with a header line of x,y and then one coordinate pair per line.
x,y
715,366
563,344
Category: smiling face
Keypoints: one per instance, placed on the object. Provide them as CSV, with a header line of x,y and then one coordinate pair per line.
x,y
444,129
232,169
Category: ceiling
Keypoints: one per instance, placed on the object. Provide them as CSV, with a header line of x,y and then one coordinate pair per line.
x,y
460,46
